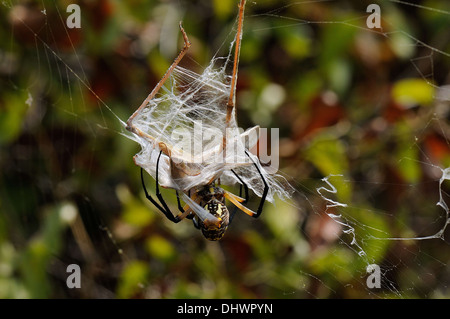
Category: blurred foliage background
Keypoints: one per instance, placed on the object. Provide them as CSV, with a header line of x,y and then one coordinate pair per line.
x,y
370,105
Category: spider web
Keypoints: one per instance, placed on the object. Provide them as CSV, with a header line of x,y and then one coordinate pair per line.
x,y
194,108
332,228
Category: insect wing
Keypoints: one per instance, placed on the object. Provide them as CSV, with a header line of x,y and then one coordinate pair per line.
x,y
198,210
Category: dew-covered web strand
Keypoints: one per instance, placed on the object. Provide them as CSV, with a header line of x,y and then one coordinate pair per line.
x,y
387,34
428,77
362,26
82,83
445,176
420,6
81,78
330,203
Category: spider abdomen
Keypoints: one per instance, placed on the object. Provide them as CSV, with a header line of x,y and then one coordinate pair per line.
x,y
215,231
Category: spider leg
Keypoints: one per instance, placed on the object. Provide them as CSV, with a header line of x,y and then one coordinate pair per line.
x,y
147,195
237,202
168,213
195,222
164,209
240,188
266,189
130,125
235,207
190,215
240,194
181,209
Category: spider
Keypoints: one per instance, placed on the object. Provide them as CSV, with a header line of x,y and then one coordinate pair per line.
x,y
205,203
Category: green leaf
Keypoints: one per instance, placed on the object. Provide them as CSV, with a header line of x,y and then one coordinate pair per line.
x,y
407,155
160,248
409,92
12,112
135,212
296,43
132,279
329,156
224,8
40,250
